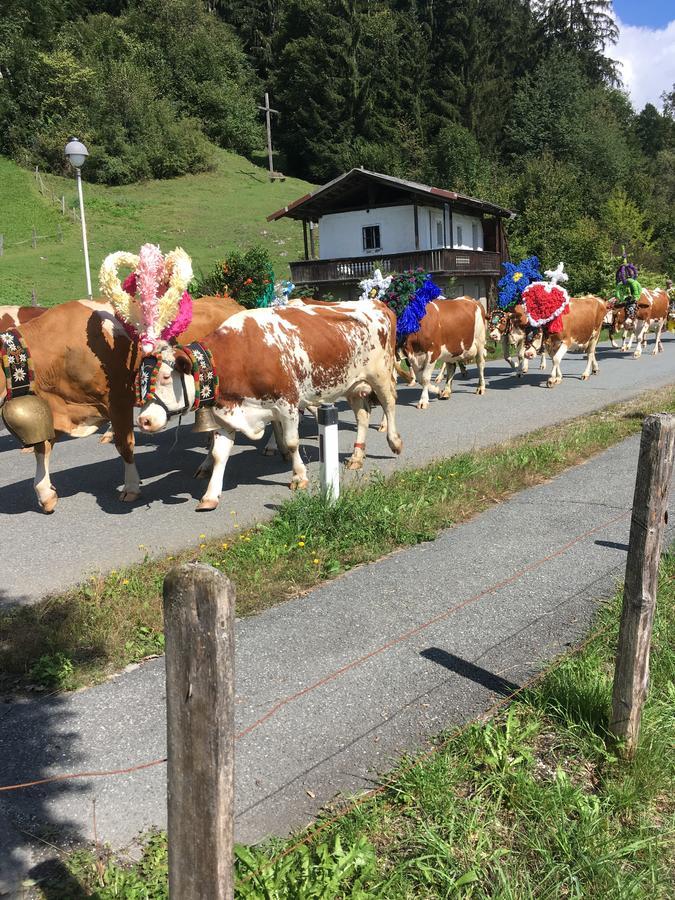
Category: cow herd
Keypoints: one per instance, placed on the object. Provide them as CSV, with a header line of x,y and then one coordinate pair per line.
x,y
270,364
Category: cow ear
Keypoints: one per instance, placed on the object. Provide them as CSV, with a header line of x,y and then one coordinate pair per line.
x,y
182,362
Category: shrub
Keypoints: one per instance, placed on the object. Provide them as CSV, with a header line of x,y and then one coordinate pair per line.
x,y
247,277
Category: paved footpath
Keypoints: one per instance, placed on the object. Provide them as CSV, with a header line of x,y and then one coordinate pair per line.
x,y
91,530
333,686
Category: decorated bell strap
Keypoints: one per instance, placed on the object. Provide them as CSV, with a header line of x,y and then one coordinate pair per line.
x,y
146,379
16,363
206,380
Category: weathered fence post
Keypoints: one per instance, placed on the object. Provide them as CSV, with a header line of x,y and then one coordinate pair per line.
x,y
199,630
328,451
63,205
2,244
650,506
33,297
33,238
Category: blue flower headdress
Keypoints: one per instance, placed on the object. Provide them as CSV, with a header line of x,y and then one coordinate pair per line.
x,y
516,279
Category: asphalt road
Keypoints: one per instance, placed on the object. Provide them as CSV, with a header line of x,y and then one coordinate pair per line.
x,y
332,687
92,531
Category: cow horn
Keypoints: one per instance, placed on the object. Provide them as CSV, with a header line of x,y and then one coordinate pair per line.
x,y
205,420
29,418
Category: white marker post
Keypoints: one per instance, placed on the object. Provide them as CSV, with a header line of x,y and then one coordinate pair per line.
x,y
328,451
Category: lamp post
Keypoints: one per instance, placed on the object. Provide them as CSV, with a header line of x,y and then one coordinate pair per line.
x,y
76,154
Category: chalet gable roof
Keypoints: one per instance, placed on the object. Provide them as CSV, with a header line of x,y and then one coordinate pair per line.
x,y
362,189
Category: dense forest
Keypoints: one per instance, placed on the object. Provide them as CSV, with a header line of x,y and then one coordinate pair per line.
x,y
514,101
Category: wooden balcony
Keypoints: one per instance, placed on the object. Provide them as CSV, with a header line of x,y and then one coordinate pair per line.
x,y
443,262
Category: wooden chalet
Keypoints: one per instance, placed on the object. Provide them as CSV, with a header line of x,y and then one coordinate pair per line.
x,y
364,218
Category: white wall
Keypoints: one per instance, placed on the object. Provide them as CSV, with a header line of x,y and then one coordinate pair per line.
x,y
472,232
340,234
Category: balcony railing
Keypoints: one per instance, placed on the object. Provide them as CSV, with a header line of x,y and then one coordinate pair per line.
x,y
449,262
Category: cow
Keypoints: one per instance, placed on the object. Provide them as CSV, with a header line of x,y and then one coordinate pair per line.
x,y
451,331
16,316
581,326
85,367
505,327
651,309
272,362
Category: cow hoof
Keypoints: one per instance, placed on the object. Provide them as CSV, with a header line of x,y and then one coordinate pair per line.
x,y
480,391
423,404
299,485
396,445
205,505
382,426
49,505
551,382
445,394
354,464
129,496
106,438
584,376
637,355
268,451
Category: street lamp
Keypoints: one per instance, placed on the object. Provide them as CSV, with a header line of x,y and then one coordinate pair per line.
x,y
76,154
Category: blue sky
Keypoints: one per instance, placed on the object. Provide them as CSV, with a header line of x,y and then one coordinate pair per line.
x,y
645,49
652,13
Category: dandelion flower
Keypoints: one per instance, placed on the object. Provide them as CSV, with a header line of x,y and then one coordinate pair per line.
x,y
301,543
125,581
316,561
224,546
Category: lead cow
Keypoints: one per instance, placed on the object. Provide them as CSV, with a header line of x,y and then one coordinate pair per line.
x,y
85,368
270,363
451,332
581,327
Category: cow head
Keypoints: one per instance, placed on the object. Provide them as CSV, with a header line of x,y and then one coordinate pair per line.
x,y
498,324
165,387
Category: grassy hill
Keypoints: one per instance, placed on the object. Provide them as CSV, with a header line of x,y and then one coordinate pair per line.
x,y
206,214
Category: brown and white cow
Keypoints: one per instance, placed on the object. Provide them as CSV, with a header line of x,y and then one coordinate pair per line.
x,y
581,330
272,362
651,310
16,316
451,331
505,327
85,367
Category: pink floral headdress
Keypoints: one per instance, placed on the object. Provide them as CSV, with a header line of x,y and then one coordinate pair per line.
x,y
153,303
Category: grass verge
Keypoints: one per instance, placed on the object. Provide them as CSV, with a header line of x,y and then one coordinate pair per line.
x,y
78,637
534,803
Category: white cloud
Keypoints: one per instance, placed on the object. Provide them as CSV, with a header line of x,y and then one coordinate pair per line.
x,y
647,57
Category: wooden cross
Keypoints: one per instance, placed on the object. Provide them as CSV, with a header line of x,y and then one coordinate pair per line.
x,y
268,109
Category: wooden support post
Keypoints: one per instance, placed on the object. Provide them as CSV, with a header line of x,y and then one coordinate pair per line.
x,y
304,235
311,239
33,297
33,239
199,630
63,205
417,227
650,506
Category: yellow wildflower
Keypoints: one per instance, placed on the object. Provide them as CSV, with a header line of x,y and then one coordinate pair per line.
x,y
301,543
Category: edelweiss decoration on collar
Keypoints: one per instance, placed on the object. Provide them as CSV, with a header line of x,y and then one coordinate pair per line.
x,y
206,381
16,363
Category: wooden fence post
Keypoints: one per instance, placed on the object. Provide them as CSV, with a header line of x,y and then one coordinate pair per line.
x,y
650,506
33,297
63,205
33,239
2,244
199,631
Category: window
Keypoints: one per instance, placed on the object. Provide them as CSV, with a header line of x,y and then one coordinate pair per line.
x,y
459,236
439,233
474,235
371,237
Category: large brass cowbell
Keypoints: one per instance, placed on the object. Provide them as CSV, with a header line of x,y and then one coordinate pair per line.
x,y
205,420
29,418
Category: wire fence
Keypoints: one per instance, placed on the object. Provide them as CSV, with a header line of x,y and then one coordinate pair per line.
x,y
59,201
47,192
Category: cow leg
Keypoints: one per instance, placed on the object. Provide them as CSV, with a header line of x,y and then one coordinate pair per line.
x,y
361,411
276,442
223,441
291,440
612,342
205,467
462,369
386,394
542,364
480,362
523,361
658,346
107,438
450,369
639,339
506,350
556,371
45,490
592,364
424,374
123,429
